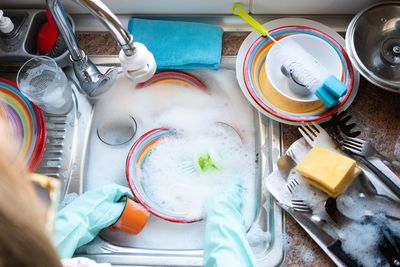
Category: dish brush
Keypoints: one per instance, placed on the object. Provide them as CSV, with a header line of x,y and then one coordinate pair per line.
x,y
210,161
305,72
49,40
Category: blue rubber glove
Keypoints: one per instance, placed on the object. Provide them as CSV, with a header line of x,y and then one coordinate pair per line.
x,y
225,242
80,221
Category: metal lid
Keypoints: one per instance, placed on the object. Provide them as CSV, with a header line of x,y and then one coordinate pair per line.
x,y
373,44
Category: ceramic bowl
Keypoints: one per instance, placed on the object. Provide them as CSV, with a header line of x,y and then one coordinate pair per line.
x,y
322,51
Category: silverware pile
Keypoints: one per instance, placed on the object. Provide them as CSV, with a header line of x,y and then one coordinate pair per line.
x,y
320,224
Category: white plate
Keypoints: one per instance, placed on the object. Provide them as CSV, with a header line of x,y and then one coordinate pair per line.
x,y
323,52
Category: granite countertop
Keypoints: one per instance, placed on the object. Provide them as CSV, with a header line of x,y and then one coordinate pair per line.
x,y
375,111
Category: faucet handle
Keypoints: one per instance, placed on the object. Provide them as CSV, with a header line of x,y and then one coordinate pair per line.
x,y
92,81
140,66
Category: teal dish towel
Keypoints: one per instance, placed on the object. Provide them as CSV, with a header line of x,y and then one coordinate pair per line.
x,y
179,45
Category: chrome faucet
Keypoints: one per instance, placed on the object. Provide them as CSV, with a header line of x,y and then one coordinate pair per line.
x,y
92,81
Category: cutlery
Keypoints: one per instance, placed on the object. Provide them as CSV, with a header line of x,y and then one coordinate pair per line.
x,y
340,122
315,135
333,243
285,164
383,177
334,213
292,185
389,245
362,148
312,223
300,205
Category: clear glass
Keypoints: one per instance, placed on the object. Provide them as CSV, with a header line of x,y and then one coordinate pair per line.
x,y
45,84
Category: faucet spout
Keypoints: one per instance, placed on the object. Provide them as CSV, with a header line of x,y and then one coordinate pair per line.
x,y
137,62
104,14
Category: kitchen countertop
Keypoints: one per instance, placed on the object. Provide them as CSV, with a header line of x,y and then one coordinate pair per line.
x,y
375,111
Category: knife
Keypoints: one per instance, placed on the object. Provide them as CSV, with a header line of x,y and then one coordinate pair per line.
x,y
333,244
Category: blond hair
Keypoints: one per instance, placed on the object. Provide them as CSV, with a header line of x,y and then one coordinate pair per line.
x,y
23,240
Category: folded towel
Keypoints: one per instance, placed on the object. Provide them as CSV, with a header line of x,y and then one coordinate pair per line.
x,y
179,45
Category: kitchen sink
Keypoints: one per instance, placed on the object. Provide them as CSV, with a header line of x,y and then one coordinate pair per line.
x,y
72,155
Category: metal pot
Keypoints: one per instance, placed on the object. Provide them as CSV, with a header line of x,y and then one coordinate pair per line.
x,y
373,44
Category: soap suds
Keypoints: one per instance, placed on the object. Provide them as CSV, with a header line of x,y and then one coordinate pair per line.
x,y
184,191
258,240
189,111
361,237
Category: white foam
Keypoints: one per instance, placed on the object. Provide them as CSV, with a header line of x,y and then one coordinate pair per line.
x,y
361,237
258,239
175,189
192,113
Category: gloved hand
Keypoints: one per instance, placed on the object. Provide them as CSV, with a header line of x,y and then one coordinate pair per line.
x,y
80,221
225,242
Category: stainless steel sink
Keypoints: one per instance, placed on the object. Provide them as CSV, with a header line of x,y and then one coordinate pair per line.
x,y
68,156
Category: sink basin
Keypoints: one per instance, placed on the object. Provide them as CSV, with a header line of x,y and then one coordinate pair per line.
x,y
73,143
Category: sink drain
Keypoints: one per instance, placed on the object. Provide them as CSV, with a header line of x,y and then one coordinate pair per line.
x,y
117,130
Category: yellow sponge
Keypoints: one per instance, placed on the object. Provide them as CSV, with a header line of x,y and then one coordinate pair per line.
x,y
327,170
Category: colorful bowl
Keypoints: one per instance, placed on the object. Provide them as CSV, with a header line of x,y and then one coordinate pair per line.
x,y
134,166
322,51
174,78
255,85
26,123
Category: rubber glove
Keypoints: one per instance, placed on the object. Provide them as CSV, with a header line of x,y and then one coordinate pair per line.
x,y
79,222
225,241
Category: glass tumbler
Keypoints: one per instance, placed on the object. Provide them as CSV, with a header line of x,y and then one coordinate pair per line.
x,y
45,84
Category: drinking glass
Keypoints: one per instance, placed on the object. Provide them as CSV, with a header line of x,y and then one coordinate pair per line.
x,y
45,84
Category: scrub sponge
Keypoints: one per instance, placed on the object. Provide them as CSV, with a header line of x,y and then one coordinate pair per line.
x,y
327,170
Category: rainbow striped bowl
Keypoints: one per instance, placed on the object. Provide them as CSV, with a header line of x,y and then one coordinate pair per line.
x,y
258,89
134,166
173,78
26,124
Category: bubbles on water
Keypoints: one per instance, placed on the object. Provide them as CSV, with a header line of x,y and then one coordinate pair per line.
x,y
189,111
175,188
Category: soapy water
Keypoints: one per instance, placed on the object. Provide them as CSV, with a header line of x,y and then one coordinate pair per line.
x,y
184,191
361,237
190,112
259,240
195,116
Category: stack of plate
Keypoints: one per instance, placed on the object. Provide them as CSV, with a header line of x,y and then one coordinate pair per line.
x,y
26,124
255,71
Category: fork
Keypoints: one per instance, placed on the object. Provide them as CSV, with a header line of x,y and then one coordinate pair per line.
x,y
315,135
300,205
383,177
362,148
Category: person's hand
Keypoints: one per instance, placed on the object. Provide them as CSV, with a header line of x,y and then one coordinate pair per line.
x,y
225,241
80,221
